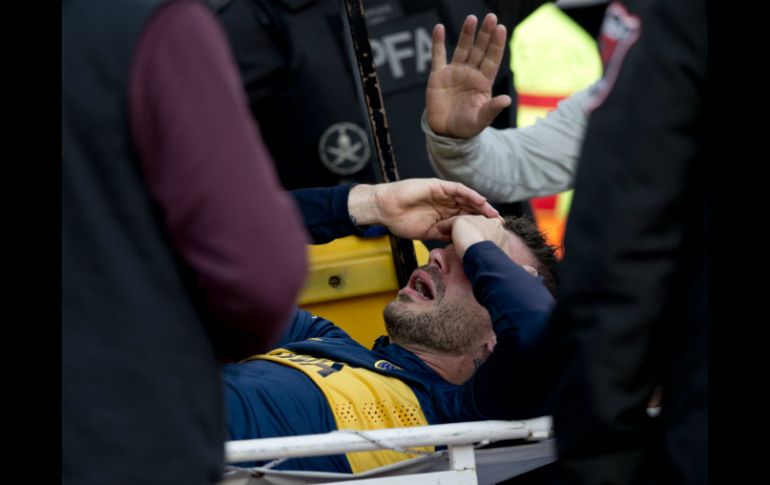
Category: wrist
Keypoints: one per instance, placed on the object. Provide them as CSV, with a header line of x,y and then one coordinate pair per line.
x,y
362,205
463,244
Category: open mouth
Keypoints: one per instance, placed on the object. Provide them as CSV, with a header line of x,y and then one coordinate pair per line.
x,y
422,285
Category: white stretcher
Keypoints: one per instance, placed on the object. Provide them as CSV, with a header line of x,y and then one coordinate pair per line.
x,y
464,461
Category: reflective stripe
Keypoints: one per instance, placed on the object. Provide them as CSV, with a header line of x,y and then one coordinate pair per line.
x,y
552,56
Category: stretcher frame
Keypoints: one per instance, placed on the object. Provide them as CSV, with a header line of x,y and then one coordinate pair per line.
x,y
463,462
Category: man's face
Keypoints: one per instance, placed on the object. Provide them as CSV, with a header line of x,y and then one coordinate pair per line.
x,y
437,309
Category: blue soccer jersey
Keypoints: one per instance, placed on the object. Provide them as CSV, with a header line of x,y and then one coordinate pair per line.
x,y
319,379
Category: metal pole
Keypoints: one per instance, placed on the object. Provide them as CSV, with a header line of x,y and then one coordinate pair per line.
x,y
404,258
348,441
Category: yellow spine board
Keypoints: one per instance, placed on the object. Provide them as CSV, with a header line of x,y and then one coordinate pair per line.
x,y
350,281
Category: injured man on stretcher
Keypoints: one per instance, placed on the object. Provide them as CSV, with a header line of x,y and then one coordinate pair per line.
x,y
464,335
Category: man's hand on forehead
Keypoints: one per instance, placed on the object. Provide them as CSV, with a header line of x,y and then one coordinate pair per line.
x,y
414,208
467,230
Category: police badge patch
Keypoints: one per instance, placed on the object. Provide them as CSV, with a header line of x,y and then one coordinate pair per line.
x,y
344,148
620,30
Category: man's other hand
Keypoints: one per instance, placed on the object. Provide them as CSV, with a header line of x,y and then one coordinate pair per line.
x,y
466,231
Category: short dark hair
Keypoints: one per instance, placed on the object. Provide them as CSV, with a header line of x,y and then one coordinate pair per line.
x,y
527,230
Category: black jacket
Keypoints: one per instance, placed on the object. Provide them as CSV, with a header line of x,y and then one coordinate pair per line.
x,y
141,396
632,310
302,86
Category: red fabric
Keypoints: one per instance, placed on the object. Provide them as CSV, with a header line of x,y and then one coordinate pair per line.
x,y
539,101
544,203
208,169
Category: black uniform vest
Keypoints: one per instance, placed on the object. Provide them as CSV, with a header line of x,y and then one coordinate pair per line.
x,y
141,396
302,85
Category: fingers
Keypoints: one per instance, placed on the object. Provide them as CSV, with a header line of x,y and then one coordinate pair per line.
x,y
486,53
479,49
468,230
442,230
494,106
493,56
465,42
462,194
485,209
465,229
438,52
468,200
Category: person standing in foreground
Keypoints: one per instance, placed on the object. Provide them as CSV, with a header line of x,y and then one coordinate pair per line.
x,y
632,308
167,191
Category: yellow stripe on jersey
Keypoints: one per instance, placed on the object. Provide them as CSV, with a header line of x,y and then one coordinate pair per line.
x,y
360,399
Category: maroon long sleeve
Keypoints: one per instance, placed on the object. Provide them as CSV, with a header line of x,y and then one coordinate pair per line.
x,y
208,169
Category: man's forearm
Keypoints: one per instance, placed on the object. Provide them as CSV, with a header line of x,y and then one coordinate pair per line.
x,y
515,163
511,384
512,296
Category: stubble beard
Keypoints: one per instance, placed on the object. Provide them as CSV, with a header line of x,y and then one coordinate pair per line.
x,y
448,327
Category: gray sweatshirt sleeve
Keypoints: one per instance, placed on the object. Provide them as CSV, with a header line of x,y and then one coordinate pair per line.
x,y
515,163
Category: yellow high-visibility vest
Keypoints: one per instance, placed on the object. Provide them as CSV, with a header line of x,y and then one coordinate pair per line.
x,y
551,58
